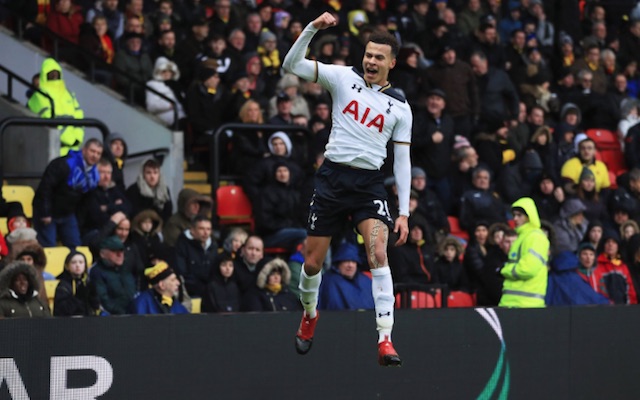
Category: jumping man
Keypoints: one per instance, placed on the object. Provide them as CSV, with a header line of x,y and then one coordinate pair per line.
x,y
367,113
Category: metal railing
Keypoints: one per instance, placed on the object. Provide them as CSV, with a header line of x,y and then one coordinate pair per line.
x,y
31,121
239,128
94,62
11,76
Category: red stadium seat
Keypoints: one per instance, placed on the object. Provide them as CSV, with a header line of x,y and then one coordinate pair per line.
x,y
460,299
413,296
234,207
604,139
456,230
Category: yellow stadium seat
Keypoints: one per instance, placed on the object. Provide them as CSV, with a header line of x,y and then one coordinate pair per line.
x,y
196,303
21,193
55,259
51,286
3,226
56,256
87,253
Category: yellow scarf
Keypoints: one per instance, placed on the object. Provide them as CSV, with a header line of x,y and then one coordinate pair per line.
x,y
568,60
212,91
269,60
119,162
276,288
592,66
167,301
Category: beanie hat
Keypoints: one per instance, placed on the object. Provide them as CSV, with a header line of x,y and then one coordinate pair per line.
x,y
585,246
266,36
158,272
586,174
346,252
417,172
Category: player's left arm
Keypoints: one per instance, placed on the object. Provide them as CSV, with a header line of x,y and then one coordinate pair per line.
x,y
402,171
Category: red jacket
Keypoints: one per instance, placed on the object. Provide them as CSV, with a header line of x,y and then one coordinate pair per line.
x,y
614,280
66,25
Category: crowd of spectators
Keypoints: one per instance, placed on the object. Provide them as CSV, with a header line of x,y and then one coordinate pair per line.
x,y
502,94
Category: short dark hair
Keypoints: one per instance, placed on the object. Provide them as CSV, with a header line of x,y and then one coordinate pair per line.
x,y
382,37
199,218
93,141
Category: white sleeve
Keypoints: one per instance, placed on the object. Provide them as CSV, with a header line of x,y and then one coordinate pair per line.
x,y
402,174
295,60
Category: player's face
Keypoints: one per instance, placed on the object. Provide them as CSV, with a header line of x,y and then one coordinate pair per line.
x,y
377,62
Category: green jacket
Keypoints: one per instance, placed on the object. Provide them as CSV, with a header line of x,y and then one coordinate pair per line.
x,y
525,271
65,106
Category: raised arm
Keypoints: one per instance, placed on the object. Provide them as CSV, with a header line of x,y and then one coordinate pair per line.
x,y
295,60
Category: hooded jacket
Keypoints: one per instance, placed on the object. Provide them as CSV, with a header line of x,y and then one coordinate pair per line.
x,y
525,272
566,286
150,245
223,294
65,105
266,299
569,235
117,163
157,105
11,304
338,292
182,219
612,276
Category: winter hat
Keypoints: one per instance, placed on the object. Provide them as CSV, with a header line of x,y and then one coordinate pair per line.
x,y
417,172
22,234
158,272
437,92
346,252
572,207
15,212
266,36
585,246
112,243
460,141
586,174
207,69
578,139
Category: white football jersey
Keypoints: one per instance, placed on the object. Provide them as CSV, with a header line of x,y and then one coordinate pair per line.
x,y
365,117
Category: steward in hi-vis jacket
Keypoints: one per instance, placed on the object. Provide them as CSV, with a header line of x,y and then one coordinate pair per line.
x,y
525,271
65,105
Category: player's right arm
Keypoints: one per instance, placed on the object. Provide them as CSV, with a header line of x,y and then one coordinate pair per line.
x,y
295,60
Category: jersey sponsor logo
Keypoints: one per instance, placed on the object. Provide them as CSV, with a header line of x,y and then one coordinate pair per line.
x,y
356,87
389,109
367,118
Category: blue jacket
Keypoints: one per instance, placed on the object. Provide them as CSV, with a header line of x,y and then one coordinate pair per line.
x,y
566,287
340,293
147,303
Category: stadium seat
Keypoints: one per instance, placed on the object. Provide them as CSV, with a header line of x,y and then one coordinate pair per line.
x,y
412,296
604,139
457,299
196,305
55,259
87,253
456,230
3,226
614,160
234,207
22,194
50,287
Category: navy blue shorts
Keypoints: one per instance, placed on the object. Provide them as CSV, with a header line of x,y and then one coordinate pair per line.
x,y
343,192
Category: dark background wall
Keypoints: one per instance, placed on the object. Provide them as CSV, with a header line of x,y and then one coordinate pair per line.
x,y
556,353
